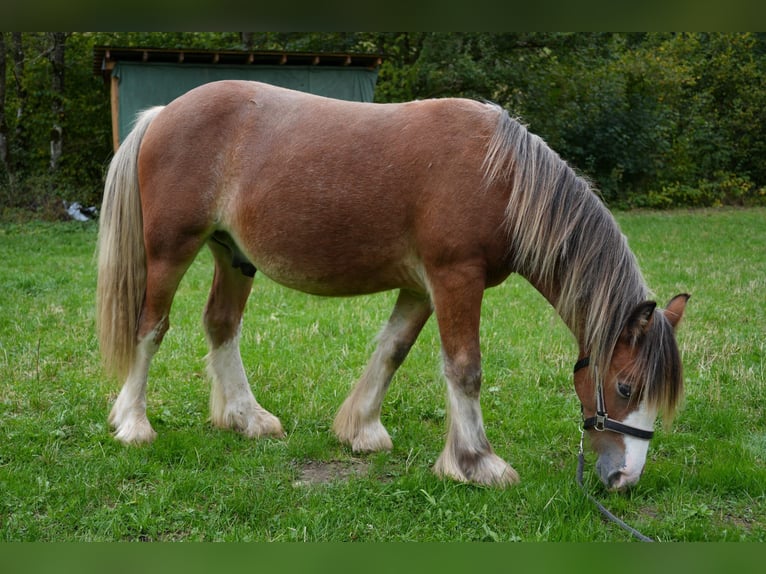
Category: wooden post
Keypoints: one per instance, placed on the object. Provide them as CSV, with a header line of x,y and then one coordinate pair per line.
x,y
114,100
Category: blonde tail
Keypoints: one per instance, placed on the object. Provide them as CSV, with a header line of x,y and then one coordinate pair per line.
x,y
121,255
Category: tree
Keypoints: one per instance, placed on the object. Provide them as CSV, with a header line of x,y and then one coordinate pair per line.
x,y
56,57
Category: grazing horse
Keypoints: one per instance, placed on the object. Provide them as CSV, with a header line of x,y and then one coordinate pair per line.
x,y
439,199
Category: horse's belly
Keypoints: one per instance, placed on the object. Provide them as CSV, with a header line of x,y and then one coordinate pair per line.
x,y
342,277
327,244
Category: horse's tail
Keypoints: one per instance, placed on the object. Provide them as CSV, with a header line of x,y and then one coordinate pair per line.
x,y
121,254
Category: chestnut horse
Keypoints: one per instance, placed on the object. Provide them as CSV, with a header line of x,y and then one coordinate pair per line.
x,y
439,199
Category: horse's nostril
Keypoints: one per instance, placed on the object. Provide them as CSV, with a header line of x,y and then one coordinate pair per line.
x,y
615,480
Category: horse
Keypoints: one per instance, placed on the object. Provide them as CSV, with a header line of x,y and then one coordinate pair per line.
x,y
439,199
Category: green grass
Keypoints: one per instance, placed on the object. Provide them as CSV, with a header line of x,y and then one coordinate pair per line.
x,y
62,476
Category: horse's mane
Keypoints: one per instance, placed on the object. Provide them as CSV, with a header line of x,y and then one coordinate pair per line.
x,y
562,237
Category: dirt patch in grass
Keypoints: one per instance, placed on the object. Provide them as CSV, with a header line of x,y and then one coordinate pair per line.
x,y
326,472
649,512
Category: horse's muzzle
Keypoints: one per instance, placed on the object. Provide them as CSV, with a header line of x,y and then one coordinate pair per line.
x,y
612,471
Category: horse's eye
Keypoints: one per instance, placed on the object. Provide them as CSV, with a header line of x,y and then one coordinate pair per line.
x,y
624,390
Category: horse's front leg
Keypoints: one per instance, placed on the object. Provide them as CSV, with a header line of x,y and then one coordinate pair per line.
x,y
467,455
358,420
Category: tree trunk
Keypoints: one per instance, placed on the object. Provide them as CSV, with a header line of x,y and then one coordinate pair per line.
x,y
20,135
247,40
56,57
3,124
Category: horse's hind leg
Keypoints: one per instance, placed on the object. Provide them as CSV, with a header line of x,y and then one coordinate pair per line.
x,y
232,404
128,414
164,270
358,420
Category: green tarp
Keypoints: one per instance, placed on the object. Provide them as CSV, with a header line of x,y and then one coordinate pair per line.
x,y
143,85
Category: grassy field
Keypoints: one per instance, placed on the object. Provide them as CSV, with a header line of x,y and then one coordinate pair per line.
x,y
62,476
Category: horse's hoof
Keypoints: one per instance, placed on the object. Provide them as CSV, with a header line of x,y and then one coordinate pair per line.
x,y
136,432
252,422
363,437
487,470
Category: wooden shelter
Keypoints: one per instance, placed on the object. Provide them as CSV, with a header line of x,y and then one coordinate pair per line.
x,y
143,77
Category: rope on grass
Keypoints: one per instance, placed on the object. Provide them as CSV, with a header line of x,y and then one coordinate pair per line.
x,y
601,507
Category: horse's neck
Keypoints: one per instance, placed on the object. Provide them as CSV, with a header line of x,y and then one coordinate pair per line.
x,y
551,294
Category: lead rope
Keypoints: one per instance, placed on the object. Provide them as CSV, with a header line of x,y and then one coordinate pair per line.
x,y
602,509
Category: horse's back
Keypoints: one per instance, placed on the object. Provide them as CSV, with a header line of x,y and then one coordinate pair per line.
x,y
252,115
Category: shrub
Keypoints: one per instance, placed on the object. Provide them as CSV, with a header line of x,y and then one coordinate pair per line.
x,y
724,188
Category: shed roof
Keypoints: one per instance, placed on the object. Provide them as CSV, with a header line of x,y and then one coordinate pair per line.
x,y
105,58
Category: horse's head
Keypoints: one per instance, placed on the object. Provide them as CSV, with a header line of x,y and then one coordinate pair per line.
x,y
643,378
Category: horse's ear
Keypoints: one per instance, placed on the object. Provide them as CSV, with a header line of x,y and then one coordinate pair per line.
x,y
675,308
639,321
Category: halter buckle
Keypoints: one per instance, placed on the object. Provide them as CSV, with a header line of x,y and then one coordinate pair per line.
x,y
600,422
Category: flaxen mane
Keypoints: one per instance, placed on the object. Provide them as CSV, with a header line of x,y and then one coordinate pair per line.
x,y
562,237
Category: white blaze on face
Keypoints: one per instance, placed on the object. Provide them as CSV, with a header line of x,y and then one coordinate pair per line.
x,y
635,448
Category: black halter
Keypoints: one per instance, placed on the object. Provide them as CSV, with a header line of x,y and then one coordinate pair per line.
x,y
601,421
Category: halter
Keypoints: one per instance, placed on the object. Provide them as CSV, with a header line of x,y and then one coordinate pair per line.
x,y
601,421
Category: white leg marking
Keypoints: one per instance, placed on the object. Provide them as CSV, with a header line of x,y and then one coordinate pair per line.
x,y
128,415
232,404
358,420
467,455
